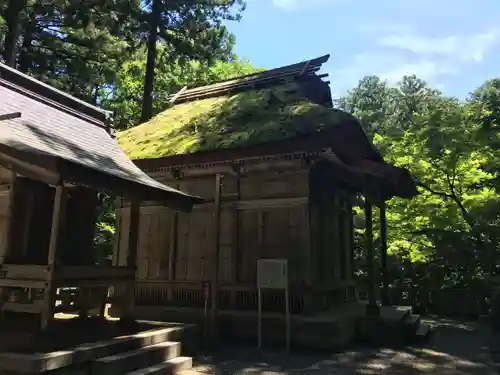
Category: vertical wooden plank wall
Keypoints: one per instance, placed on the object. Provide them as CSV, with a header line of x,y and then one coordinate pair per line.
x,y
245,234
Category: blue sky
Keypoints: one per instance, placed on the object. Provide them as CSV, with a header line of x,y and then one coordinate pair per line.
x,y
452,44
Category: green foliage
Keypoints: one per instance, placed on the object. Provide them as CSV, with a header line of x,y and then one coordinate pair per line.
x,y
450,147
242,119
126,96
78,47
94,50
105,230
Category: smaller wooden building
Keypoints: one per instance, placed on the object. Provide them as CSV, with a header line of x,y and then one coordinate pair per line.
x,y
279,169
56,154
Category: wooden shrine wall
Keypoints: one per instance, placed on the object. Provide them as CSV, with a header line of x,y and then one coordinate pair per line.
x,y
332,228
264,213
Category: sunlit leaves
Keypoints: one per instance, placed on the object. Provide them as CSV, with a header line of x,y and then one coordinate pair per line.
x,y
451,149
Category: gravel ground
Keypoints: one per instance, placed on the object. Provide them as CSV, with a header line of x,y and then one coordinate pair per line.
x,y
454,348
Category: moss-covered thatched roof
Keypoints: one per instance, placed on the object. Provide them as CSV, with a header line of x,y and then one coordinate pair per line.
x,y
242,119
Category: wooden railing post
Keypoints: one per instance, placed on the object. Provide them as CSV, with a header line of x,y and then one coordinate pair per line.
x,y
58,217
133,240
8,245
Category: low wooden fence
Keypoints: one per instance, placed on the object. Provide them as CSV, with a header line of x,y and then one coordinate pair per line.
x,y
451,302
447,302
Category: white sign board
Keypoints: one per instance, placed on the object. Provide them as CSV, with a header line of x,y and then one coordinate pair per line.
x,y
272,273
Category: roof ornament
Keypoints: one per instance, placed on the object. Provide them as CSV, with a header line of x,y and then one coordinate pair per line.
x,y
305,68
10,116
176,96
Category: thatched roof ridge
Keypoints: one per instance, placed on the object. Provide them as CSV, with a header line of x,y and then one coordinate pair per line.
x,y
266,78
268,106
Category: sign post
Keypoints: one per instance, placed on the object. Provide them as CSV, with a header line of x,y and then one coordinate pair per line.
x,y
273,274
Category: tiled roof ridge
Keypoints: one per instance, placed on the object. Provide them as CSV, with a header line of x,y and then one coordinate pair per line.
x,y
252,81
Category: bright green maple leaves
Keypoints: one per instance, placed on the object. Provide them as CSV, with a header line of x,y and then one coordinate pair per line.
x,y
451,149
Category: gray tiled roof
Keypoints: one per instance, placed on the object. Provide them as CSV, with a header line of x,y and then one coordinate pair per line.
x,y
44,129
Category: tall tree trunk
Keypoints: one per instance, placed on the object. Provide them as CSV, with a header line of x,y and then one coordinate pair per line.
x,y
25,55
13,20
147,97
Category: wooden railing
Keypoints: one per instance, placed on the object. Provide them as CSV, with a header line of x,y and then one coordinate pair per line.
x,y
231,296
472,302
25,284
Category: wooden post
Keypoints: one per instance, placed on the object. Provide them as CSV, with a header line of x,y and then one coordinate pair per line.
x,y
336,241
235,255
383,255
8,245
347,219
133,239
10,227
372,307
58,218
215,259
172,252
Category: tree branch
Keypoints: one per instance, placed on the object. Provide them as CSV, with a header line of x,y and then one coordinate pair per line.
x,y
435,192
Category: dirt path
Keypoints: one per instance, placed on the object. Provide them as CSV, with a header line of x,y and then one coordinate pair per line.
x,y
455,348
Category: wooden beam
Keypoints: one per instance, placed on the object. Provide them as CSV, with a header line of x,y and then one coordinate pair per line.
x,y
58,218
215,259
15,163
176,96
10,116
259,165
383,255
67,273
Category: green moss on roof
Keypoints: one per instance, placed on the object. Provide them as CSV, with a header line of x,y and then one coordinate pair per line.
x,y
242,119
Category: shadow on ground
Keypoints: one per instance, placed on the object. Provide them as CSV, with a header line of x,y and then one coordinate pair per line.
x,y
456,347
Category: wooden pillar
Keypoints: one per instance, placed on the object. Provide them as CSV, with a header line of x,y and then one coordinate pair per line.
x,y
215,259
58,218
235,255
172,253
10,226
347,219
133,239
383,255
334,241
8,244
372,307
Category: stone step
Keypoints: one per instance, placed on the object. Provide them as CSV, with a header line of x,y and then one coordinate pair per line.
x,y
423,332
85,353
412,320
411,324
170,367
140,358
